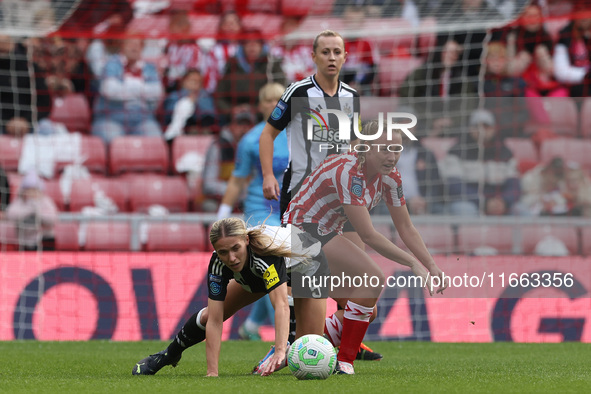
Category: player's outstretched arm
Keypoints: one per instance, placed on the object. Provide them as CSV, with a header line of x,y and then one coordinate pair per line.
x,y
213,335
361,221
414,242
279,301
271,188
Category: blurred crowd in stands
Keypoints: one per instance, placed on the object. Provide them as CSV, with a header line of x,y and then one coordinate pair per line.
x,y
505,113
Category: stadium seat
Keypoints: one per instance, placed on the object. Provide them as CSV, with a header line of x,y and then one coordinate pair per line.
x,y
391,36
94,153
66,236
371,106
73,111
471,238
533,234
570,149
564,116
14,182
138,154
524,151
393,71
53,190
427,38
147,190
8,238
184,144
438,145
83,191
107,236
439,238
306,7
586,118
180,237
149,25
10,152
269,25
586,240
319,23
204,25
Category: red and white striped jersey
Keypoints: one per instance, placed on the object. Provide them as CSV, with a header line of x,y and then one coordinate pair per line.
x,y
337,182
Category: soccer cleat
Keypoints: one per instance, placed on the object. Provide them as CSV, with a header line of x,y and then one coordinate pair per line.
x,y
248,335
154,363
267,359
365,353
344,368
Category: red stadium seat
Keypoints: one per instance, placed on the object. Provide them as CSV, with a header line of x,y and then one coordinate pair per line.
x,y
564,116
8,237
393,71
149,25
524,151
570,149
66,236
306,7
83,191
204,25
427,38
319,23
148,190
586,240
391,36
138,154
473,237
438,145
14,182
532,235
53,190
586,118
73,111
371,106
438,238
10,152
107,236
94,153
184,144
180,237
269,25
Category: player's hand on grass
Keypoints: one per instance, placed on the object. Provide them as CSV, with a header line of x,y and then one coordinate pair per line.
x,y
271,188
277,360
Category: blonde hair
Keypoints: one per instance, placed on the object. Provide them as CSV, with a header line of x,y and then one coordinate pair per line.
x,y
260,243
270,91
326,33
369,128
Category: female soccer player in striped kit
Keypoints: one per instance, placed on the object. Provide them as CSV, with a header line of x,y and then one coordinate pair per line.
x,y
343,189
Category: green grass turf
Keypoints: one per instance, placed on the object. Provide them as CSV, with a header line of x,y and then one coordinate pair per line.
x,y
415,367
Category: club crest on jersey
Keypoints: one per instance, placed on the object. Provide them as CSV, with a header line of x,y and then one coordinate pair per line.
x,y
357,186
215,288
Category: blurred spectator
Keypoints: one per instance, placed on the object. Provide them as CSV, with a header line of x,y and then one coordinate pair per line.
x,y
480,169
183,53
246,73
423,186
33,213
294,55
406,9
572,55
504,93
360,68
130,90
107,43
229,32
60,69
4,192
15,88
556,189
219,161
189,110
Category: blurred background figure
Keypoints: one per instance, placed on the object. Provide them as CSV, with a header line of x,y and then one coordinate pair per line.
x,y
219,160
190,109
33,213
480,170
4,192
130,90
228,34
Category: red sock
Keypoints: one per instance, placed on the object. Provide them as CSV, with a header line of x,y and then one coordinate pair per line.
x,y
355,326
333,329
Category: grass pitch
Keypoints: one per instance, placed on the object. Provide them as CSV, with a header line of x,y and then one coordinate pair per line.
x,y
414,367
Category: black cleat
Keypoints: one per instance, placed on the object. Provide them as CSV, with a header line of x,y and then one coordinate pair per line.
x,y
365,353
154,363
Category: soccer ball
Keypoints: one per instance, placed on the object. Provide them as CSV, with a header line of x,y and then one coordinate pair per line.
x,y
312,357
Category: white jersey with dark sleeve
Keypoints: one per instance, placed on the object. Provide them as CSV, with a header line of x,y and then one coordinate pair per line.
x,y
261,274
305,154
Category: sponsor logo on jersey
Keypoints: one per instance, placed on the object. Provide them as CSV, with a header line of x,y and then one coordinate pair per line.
x,y
357,186
270,277
215,288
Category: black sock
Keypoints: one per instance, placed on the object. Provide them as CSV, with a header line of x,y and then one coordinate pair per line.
x,y
292,324
191,334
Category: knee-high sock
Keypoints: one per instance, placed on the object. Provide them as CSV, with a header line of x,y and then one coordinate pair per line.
x,y
355,323
333,330
191,334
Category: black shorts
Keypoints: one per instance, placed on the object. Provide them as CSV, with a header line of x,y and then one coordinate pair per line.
x,y
308,277
312,229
